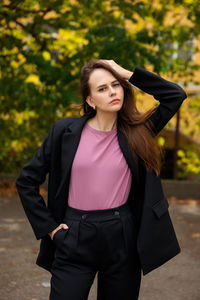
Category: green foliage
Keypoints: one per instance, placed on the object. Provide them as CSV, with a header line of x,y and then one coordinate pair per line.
x,y
189,164
43,45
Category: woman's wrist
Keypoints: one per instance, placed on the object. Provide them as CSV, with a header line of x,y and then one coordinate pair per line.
x,y
51,234
127,74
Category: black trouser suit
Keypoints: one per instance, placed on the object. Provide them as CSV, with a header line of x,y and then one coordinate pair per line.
x,y
102,241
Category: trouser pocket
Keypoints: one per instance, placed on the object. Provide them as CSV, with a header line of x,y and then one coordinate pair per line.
x,y
66,240
61,234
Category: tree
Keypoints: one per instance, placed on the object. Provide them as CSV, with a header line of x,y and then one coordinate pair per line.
x,y
44,44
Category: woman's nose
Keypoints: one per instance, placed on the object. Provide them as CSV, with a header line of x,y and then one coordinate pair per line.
x,y
112,90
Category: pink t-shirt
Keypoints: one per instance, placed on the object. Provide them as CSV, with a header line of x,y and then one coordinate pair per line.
x,y
100,177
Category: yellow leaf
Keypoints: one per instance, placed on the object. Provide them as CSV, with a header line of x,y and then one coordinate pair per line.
x,y
14,64
33,78
21,58
196,234
161,141
181,153
46,55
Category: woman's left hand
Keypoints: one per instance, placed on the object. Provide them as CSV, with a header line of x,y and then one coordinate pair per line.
x,y
120,70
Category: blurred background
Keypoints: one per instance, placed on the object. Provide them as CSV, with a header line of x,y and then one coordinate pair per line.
x,y
43,45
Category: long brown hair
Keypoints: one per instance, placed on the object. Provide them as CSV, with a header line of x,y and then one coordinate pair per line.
x,y
132,123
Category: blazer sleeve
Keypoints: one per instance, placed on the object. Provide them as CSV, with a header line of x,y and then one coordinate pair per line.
x,y
169,94
30,178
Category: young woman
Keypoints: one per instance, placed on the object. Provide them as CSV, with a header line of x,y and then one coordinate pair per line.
x,y
106,209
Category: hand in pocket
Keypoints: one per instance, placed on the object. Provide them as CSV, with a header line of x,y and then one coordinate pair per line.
x,y
61,226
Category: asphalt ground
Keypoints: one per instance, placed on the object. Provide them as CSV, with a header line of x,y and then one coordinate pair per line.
x,y
22,279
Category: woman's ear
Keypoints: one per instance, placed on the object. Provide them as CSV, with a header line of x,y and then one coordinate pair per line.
x,y
88,100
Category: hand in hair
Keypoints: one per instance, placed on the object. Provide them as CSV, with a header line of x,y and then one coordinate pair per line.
x,y
120,70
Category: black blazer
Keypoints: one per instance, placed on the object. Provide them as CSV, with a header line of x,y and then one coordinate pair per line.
x,y
156,240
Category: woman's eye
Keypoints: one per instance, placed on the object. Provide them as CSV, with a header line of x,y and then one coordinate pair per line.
x,y
104,88
101,89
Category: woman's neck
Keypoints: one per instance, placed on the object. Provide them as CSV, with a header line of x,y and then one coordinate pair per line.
x,y
105,124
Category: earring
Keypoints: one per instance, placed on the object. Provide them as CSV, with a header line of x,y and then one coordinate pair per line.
x,y
94,107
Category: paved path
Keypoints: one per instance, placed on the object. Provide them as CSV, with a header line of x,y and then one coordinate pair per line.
x,y
21,279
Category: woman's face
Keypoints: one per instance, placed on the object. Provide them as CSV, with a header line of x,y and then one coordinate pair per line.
x,y
104,88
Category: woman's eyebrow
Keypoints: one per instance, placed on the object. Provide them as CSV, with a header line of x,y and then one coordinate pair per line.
x,y
105,84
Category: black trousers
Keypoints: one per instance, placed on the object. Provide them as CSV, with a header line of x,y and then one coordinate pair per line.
x,y
102,241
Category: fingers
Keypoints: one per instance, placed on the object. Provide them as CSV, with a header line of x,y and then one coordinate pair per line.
x,y
113,65
124,73
109,62
64,226
61,226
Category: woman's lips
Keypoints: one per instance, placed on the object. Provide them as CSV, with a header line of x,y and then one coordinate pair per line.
x,y
115,101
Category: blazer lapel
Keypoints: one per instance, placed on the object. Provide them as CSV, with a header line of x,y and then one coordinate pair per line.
x,y
125,148
70,142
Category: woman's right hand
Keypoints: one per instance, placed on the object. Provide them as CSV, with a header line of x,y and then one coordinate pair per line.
x,y
64,226
126,74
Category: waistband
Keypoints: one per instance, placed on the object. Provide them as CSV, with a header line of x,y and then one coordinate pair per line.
x,y
98,215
